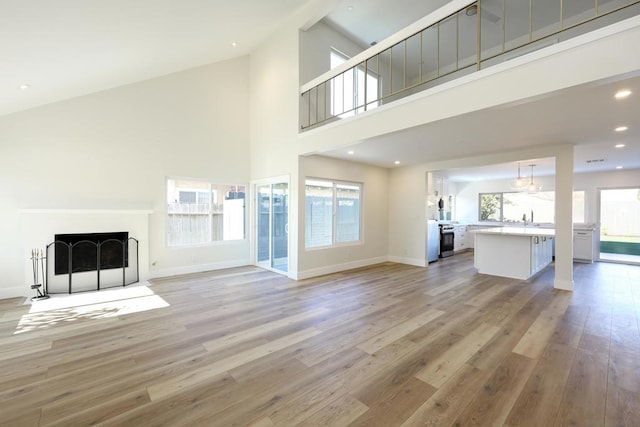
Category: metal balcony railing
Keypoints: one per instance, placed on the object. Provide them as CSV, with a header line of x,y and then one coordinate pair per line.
x,y
480,34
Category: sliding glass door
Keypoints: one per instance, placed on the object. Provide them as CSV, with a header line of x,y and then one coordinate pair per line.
x,y
620,225
272,225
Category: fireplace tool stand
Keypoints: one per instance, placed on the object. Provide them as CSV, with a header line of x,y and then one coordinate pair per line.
x,y
37,263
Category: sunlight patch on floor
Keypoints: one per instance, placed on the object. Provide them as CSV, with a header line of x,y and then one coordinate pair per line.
x,y
90,305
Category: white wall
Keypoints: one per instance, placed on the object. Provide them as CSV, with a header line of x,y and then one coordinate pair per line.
x,y
114,150
315,46
274,110
375,200
407,215
273,120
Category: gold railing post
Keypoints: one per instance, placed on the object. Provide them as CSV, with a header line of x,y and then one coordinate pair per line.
x,y
390,70
530,20
438,45
310,93
366,82
478,35
504,25
421,59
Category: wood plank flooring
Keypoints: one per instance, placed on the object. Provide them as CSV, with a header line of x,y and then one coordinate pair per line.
x,y
387,345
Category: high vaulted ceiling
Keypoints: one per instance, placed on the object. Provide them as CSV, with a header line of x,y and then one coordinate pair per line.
x,y
67,48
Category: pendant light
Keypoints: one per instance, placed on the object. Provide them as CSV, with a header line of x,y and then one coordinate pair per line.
x,y
519,183
533,187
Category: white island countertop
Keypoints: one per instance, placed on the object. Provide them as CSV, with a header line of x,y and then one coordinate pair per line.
x,y
517,231
516,252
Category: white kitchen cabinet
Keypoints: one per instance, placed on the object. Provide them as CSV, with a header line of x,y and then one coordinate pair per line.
x,y
515,252
541,252
583,245
459,238
470,236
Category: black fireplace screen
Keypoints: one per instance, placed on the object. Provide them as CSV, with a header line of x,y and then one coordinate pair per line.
x,y
113,250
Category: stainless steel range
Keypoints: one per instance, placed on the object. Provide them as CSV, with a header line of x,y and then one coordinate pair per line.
x,y
446,240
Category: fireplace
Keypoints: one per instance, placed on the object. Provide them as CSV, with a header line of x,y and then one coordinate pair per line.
x,y
112,249
43,227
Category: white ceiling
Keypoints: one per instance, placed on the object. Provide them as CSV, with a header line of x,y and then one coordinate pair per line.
x,y
68,48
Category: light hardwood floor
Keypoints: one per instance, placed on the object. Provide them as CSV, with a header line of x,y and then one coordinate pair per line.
x,y
388,345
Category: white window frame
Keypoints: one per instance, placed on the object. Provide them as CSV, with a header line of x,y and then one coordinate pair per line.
x,y
337,58
213,200
501,207
334,223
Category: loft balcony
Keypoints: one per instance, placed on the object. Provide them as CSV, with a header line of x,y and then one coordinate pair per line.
x,y
458,39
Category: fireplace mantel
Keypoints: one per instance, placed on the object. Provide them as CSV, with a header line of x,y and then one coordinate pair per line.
x,y
87,211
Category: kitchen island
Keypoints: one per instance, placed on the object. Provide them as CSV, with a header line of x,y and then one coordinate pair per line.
x,y
515,252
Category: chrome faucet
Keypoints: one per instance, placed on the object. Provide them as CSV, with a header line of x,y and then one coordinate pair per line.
x,y
524,218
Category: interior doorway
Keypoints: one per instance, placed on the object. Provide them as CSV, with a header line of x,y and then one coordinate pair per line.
x,y
272,225
619,217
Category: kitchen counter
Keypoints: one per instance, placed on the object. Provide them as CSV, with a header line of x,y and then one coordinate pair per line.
x,y
515,252
518,231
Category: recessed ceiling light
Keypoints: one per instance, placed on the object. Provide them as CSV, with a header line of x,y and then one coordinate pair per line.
x,y
234,44
621,94
397,162
618,167
350,8
621,128
350,152
620,145
25,86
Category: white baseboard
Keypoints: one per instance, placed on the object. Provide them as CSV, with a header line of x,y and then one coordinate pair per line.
x,y
409,261
177,271
320,271
565,285
16,292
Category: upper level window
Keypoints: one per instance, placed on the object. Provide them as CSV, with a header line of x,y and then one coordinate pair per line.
x,y
200,212
332,213
348,89
512,207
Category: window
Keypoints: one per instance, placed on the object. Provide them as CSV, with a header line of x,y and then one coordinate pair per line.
x,y
348,89
540,205
332,213
511,207
200,212
491,207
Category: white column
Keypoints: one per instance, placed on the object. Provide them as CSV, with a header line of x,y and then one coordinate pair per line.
x,y
564,219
